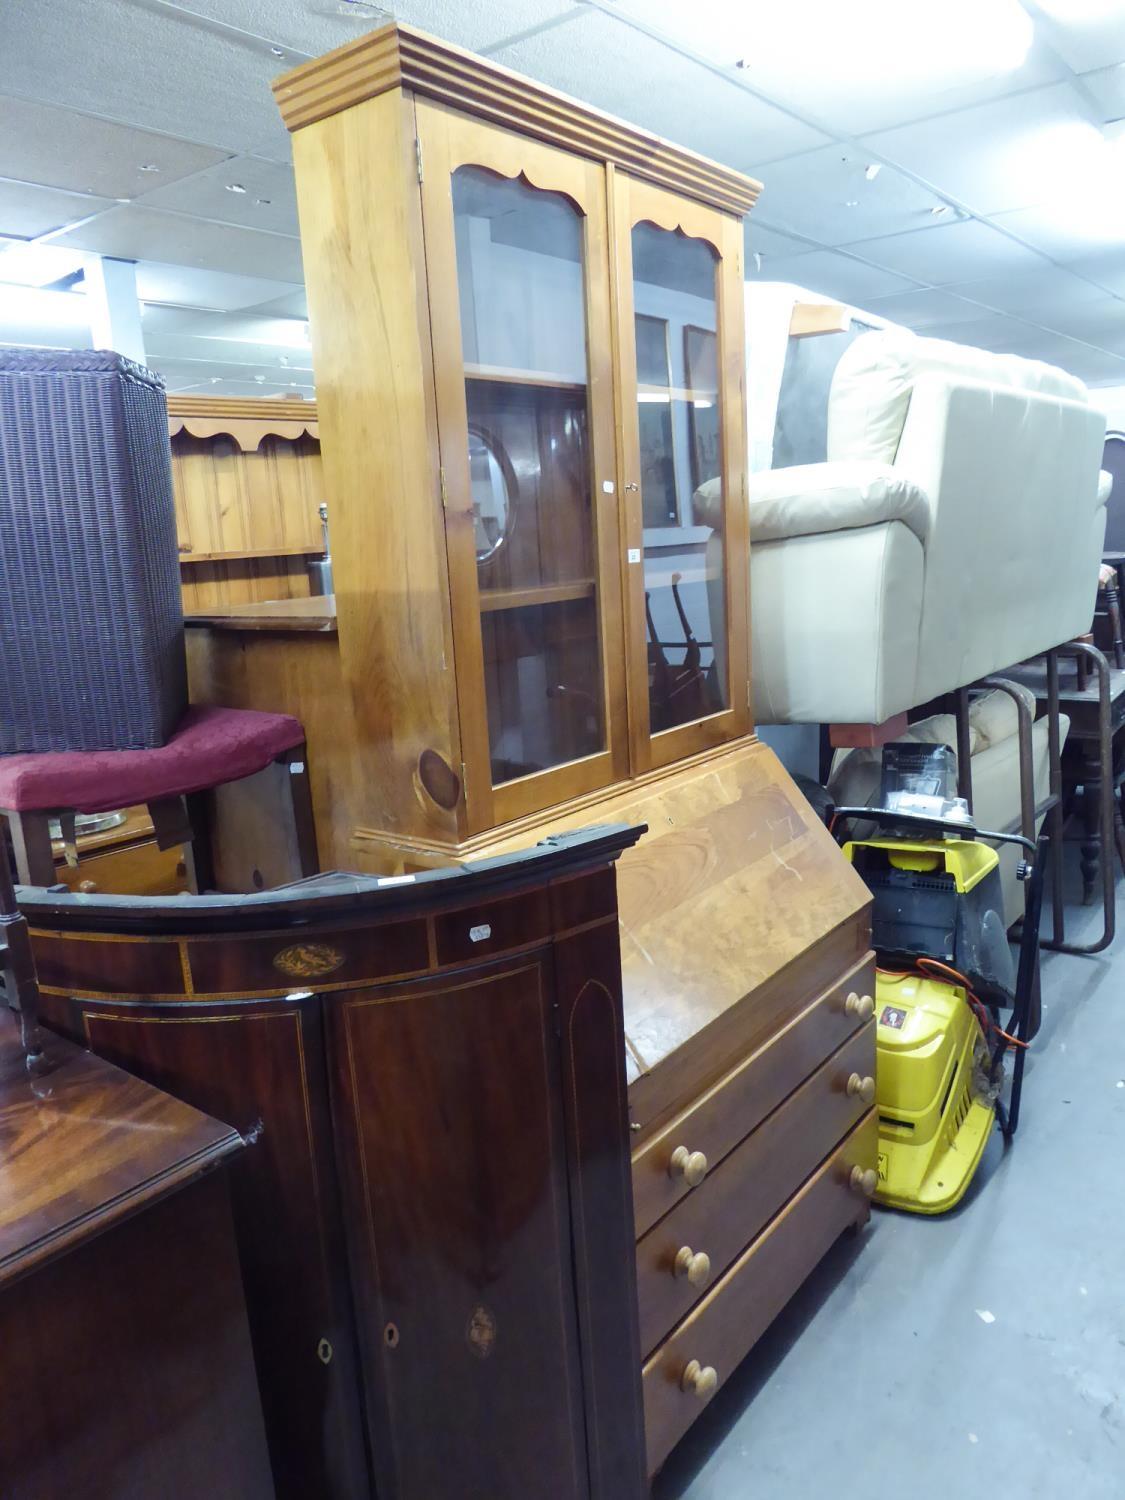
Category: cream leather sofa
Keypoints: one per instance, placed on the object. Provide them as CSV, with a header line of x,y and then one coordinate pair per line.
x,y
955,528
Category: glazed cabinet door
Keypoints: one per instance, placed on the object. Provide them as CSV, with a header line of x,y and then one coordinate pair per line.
x,y
679,322
518,270
451,1136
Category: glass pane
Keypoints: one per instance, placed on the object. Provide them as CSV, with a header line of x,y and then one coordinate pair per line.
x,y
523,331
676,303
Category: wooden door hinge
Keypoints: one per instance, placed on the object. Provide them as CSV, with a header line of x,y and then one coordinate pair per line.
x,y
444,490
418,155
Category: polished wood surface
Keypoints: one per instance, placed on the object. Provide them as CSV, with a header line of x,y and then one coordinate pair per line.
x,y
453,1046
316,614
247,483
127,1369
742,1192
720,1117
736,883
732,1317
635,203
126,860
83,1146
243,418
397,56
368,301
456,1188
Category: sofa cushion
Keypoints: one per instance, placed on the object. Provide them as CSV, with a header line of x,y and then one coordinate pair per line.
x,y
993,717
871,388
808,499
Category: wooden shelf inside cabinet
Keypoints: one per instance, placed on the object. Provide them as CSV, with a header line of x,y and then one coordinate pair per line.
x,y
247,553
539,593
503,376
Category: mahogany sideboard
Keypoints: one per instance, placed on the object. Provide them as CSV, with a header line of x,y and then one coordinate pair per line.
x,y
435,1220
126,1369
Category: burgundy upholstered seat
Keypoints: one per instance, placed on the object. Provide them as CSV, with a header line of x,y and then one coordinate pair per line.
x,y
210,747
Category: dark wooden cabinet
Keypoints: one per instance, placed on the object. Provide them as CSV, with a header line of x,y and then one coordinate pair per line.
x,y
435,1222
126,1370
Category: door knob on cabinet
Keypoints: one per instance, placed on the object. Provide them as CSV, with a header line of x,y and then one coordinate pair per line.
x,y
698,1380
693,1264
863,1180
860,1006
690,1165
861,1088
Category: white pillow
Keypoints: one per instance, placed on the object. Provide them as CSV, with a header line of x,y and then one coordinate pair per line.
x,y
995,718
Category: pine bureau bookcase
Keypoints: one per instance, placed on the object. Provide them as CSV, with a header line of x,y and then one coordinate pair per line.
x,y
527,330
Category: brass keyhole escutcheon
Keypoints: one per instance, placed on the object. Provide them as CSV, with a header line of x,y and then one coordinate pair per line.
x,y
324,1352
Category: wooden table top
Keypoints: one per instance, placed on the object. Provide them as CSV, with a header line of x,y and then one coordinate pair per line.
x,y
314,614
83,1146
1079,704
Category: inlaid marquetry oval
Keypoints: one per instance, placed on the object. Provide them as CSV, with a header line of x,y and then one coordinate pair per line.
x,y
480,1333
308,960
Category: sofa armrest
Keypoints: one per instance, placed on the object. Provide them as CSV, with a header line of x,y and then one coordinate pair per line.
x,y
809,499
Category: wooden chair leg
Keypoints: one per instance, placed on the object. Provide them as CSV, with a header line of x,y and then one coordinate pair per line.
x,y
1113,610
31,844
297,764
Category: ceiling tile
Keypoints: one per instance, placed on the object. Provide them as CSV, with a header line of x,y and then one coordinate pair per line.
x,y
1032,293
1084,41
292,305
616,68
846,94
190,287
62,149
828,274
1107,85
482,25
761,239
996,156
269,199
926,309
949,253
826,196
1101,322
137,233
1069,231
316,26
159,69
1107,269
993,331
27,210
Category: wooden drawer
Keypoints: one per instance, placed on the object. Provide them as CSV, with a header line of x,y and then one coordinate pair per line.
x,y
715,1122
734,1203
727,1323
132,870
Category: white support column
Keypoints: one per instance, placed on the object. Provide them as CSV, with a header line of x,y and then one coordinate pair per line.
x,y
115,312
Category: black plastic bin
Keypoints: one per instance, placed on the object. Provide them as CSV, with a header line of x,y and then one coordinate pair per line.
x,y
91,624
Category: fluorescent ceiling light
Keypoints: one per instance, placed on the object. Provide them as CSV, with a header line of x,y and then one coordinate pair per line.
x,y
869,42
1079,11
30,307
1083,167
26,263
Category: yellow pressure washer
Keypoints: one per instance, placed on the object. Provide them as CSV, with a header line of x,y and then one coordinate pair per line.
x,y
945,976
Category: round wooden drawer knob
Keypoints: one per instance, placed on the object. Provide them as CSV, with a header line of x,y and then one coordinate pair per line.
x,y
87,887
861,1088
698,1380
863,1181
690,1165
860,1006
694,1265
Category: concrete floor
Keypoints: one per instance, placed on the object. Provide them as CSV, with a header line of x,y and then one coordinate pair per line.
x,y
978,1354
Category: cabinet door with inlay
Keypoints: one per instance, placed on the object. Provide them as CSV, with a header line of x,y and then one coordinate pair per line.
x,y
258,1066
451,1131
